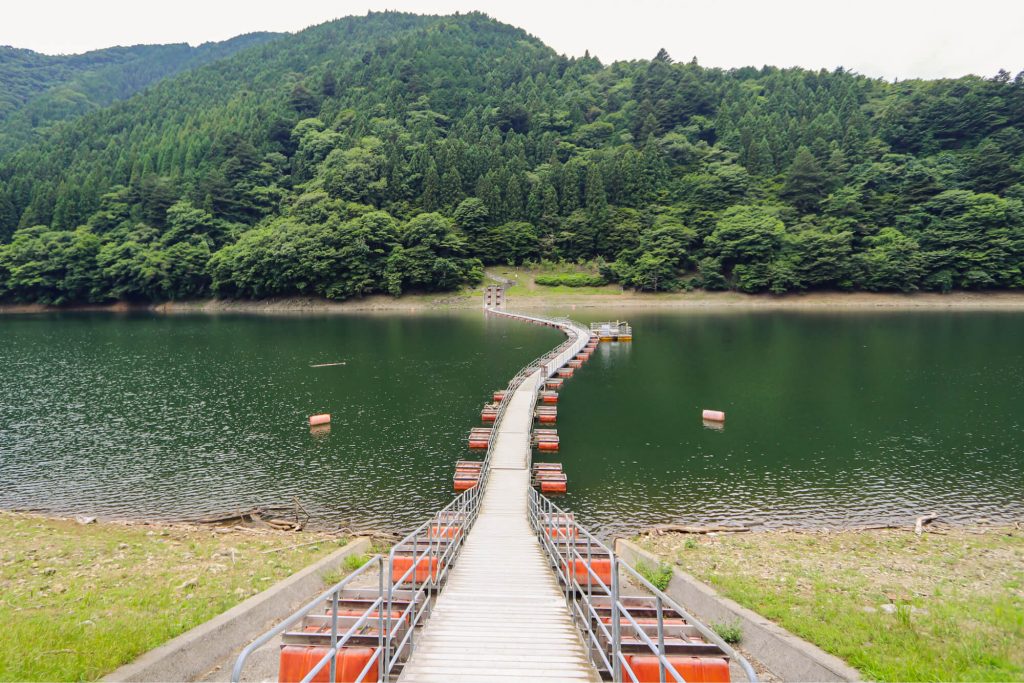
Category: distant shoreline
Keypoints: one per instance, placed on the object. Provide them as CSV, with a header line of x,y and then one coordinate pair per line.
x,y
416,303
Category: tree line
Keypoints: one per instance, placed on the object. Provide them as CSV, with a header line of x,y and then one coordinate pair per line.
x,y
395,152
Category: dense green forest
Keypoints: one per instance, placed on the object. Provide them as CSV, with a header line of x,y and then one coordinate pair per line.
x,y
38,90
396,152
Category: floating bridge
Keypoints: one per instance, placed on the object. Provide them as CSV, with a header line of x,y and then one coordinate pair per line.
x,y
501,585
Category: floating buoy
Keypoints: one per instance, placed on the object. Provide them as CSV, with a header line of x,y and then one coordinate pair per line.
x,y
296,661
426,568
546,414
650,668
714,415
322,419
601,567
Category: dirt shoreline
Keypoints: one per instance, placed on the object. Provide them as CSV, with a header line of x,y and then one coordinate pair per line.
x,y
183,526
418,303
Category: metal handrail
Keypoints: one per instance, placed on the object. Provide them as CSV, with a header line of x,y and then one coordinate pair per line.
x,y
466,506
447,527
441,538
331,594
551,522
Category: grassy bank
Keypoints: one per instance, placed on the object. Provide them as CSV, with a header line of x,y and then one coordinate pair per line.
x,y
525,293
896,606
77,601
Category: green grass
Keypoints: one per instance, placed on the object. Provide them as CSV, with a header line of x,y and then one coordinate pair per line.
x,y
77,601
895,606
659,576
730,633
525,278
575,280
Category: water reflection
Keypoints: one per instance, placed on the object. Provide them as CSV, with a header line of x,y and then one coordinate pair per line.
x,y
833,419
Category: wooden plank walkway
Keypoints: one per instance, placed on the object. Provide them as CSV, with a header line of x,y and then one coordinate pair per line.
x,y
502,616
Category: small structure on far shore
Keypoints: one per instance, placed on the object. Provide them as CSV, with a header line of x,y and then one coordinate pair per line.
x,y
618,331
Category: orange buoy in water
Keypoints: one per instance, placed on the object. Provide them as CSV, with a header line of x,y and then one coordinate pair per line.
x,y
323,419
714,415
548,486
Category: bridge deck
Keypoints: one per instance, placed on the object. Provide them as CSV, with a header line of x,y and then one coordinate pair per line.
x,y
502,617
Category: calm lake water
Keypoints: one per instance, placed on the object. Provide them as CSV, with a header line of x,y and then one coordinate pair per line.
x,y
832,419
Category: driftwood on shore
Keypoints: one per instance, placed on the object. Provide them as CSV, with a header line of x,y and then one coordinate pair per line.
x,y
659,529
919,527
921,521
376,536
281,517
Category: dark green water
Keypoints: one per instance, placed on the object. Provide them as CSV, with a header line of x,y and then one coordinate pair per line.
x,y
831,418
171,417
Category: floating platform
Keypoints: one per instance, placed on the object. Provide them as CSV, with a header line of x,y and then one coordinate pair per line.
x,y
546,414
618,331
480,437
548,396
545,439
489,412
467,474
548,477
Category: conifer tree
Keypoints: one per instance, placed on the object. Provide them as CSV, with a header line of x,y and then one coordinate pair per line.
x,y
805,182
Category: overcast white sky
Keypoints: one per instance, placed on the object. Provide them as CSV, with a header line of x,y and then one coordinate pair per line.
x,y
887,38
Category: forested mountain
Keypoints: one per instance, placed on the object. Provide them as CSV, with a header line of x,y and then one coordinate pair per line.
x,y
37,90
395,152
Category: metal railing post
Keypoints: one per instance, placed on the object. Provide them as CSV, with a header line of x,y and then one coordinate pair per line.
x,y
570,578
616,626
661,639
334,634
381,663
391,597
415,594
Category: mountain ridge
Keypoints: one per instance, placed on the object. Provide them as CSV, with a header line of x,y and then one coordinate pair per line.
x,y
397,151
40,89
